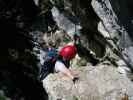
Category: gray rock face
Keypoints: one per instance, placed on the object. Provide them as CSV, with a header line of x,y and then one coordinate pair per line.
x,y
36,2
76,16
116,17
64,23
96,83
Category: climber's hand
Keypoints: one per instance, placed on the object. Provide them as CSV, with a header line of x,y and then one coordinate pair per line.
x,y
75,79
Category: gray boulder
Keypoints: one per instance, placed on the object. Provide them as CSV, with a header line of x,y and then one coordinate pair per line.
x,y
96,83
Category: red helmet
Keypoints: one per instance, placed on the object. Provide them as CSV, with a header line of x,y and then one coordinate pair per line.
x,y
68,52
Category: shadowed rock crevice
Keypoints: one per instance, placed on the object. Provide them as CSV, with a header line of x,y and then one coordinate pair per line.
x,y
18,66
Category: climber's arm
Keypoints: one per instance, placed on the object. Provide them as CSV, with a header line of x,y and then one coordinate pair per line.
x,y
60,67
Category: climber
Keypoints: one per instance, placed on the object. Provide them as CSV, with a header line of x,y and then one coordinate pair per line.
x,y
59,62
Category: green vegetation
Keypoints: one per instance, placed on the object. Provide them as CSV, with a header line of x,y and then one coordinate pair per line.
x,y
66,40
2,97
75,98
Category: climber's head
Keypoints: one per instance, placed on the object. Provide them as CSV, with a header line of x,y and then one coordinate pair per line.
x,y
68,52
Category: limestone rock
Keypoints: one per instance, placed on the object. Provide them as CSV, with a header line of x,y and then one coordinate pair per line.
x,y
96,83
116,17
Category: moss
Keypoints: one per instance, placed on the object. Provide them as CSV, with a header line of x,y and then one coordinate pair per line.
x,y
66,40
2,98
75,63
75,98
